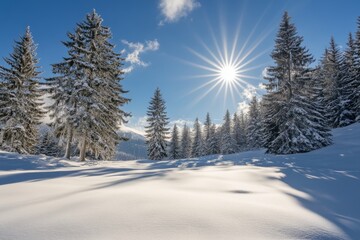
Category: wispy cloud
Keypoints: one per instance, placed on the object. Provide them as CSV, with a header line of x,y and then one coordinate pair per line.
x,y
173,10
134,50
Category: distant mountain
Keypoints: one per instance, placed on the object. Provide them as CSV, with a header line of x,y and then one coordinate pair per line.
x,y
134,148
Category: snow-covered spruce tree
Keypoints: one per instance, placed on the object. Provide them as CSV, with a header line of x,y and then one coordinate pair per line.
x,y
20,104
332,75
238,133
348,94
174,146
156,129
64,89
293,123
356,83
215,137
92,95
49,145
228,144
186,142
197,144
207,135
253,131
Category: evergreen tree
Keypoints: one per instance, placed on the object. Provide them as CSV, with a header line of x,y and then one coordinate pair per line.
x,y
174,147
186,142
348,85
356,83
214,142
197,145
207,135
254,136
228,144
49,145
90,94
64,89
293,123
332,75
20,105
156,130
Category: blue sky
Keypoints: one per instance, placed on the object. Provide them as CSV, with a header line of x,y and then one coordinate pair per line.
x,y
159,39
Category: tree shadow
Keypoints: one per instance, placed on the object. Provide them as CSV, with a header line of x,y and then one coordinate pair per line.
x,y
334,194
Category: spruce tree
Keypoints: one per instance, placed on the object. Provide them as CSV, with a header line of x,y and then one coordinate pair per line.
x,y
207,135
20,104
174,146
238,134
215,138
228,144
356,83
64,90
186,142
332,75
293,123
348,92
254,136
92,95
197,144
157,130
49,145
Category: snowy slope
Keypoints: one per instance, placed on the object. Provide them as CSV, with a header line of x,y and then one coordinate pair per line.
x,y
250,195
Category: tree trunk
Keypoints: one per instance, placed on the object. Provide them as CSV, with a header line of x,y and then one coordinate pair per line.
x,y
68,143
83,150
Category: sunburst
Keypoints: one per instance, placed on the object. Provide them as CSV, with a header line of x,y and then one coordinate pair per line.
x,y
227,68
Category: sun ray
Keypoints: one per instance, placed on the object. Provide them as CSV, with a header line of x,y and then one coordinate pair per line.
x,y
226,65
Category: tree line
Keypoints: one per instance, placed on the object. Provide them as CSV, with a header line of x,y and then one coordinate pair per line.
x,y
302,104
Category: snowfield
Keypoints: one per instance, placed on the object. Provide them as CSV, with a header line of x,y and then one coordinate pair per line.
x,y
250,195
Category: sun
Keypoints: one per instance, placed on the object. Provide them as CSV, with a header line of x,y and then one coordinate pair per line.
x,y
228,73
226,66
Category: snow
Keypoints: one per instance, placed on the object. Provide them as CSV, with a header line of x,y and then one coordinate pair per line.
x,y
250,195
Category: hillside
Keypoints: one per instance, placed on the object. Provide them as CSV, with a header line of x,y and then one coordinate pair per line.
x,y
250,195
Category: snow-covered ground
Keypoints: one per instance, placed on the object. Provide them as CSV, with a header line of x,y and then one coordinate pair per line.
x,y
250,195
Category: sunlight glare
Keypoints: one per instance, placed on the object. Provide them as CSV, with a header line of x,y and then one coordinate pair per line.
x,y
228,73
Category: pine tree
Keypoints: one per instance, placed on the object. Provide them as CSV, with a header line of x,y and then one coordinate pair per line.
x,y
228,144
332,75
254,136
174,147
293,122
49,145
64,90
356,83
348,84
186,142
156,130
207,135
90,93
197,144
215,138
20,105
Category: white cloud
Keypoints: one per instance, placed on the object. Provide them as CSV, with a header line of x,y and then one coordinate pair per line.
x,y
135,50
173,10
249,92
243,107
180,123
